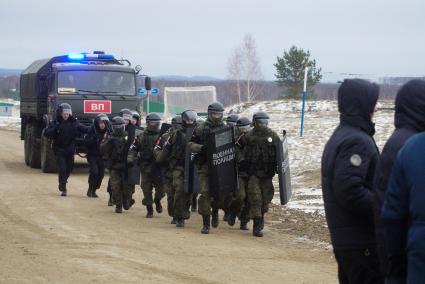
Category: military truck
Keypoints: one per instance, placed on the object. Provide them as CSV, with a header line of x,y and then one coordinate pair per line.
x,y
91,83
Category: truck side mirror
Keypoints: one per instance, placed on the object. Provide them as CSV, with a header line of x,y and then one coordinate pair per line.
x,y
148,83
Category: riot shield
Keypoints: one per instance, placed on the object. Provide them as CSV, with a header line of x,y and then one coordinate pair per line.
x,y
221,154
282,158
191,179
133,174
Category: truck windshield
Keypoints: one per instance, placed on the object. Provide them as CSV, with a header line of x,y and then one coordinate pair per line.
x,y
96,82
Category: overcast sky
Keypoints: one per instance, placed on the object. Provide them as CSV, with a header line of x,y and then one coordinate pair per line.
x,y
195,37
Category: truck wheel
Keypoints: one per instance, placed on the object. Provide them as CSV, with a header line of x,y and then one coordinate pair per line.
x,y
26,145
34,146
48,161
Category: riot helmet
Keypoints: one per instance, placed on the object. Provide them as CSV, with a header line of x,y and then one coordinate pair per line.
x,y
65,110
232,119
126,114
260,119
135,118
189,117
215,112
153,121
176,121
243,124
118,125
101,120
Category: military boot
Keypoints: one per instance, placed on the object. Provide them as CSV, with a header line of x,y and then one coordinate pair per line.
x,y
214,219
244,225
180,222
118,209
257,231
90,191
93,193
131,203
62,188
149,208
206,223
231,220
158,206
174,221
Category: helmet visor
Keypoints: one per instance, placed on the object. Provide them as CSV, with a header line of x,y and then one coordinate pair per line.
x,y
262,122
244,128
67,111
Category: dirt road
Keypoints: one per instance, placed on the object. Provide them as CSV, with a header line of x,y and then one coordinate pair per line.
x,y
48,238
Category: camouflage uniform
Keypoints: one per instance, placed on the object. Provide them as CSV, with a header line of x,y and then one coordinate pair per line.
x,y
150,171
260,154
238,205
174,153
114,149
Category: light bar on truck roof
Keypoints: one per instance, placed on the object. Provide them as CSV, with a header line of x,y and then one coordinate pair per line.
x,y
88,56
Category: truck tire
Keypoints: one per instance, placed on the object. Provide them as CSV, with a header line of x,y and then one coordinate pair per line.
x,y
34,146
47,159
26,145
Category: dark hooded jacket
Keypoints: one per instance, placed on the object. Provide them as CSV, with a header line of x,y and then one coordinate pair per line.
x,y
64,133
93,139
348,167
403,213
409,119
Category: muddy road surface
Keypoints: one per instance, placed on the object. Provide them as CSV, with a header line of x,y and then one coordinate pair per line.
x,y
45,238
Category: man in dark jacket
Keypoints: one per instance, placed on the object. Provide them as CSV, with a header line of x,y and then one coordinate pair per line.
x,y
403,212
94,156
63,131
348,168
409,119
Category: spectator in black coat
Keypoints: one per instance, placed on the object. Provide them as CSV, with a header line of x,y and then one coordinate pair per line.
x,y
94,156
63,131
348,168
409,119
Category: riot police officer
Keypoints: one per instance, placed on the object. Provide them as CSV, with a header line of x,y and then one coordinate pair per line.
x,y
260,157
167,169
207,206
64,129
239,205
130,132
94,156
114,148
150,170
173,151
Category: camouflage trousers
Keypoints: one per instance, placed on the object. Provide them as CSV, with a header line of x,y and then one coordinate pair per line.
x,y
206,202
148,186
238,204
119,188
179,198
260,192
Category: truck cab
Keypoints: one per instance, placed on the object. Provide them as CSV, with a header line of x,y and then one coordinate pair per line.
x,y
91,83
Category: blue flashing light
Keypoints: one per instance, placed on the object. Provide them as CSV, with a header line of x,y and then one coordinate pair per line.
x,y
76,56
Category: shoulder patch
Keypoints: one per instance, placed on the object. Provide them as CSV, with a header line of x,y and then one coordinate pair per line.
x,y
356,160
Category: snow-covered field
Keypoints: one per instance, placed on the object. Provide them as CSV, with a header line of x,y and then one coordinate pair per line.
x,y
305,152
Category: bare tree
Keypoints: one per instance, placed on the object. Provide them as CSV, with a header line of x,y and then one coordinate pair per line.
x,y
234,70
244,69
